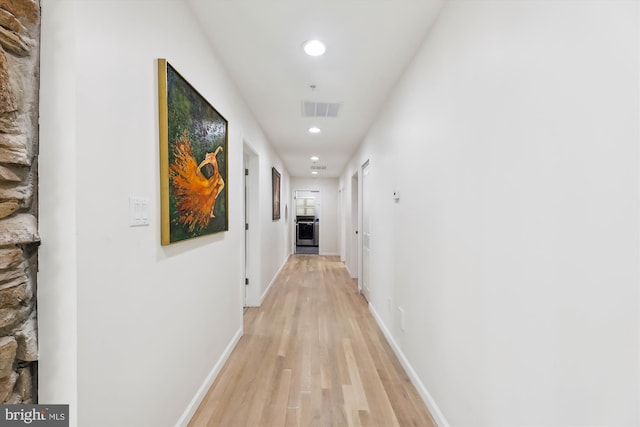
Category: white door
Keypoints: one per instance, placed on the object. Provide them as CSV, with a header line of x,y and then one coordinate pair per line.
x,y
246,231
366,229
354,249
341,226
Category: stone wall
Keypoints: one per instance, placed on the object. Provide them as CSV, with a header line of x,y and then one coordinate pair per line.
x,y
19,80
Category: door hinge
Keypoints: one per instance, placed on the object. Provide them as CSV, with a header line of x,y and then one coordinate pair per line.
x,y
246,172
246,280
246,226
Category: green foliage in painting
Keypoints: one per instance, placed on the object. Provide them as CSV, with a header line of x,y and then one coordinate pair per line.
x,y
197,136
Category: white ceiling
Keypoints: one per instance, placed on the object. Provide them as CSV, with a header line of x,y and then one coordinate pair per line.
x,y
369,44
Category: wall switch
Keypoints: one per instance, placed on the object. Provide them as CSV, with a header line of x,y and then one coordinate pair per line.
x,y
396,196
401,319
138,211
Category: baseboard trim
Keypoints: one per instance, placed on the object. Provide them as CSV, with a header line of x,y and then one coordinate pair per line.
x,y
183,421
436,413
349,271
273,280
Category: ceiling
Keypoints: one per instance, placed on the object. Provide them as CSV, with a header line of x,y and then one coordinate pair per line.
x,y
369,44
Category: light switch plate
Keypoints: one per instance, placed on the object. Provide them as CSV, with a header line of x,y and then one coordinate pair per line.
x,y
138,211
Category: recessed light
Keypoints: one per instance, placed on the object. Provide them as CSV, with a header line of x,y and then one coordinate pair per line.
x,y
314,129
314,48
314,173
315,158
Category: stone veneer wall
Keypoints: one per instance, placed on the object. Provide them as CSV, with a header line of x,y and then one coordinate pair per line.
x,y
19,82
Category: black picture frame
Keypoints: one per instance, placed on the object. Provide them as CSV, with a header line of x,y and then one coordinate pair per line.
x,y
275,187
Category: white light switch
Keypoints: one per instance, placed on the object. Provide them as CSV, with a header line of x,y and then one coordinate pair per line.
x,y
138,211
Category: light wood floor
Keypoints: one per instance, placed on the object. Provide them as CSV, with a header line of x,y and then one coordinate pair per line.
x,y
312,355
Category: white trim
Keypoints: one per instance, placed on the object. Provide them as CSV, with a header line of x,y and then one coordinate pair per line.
x,y
275,277
188,413
253,246
437,415
348,271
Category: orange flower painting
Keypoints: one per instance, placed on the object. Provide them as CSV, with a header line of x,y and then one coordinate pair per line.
x,y
195,192
194,171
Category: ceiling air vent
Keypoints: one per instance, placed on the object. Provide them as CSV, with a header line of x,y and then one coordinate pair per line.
x,y
318,168
320,109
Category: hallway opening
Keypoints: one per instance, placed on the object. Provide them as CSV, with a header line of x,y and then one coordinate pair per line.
x,y
307,205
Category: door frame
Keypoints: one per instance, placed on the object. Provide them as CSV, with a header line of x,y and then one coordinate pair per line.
x,y
365,209
354,245
252,241
341,225
294,231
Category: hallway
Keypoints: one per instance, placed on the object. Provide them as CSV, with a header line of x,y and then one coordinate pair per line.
x,y
312,355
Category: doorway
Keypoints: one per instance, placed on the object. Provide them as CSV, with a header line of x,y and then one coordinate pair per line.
x,y
342,226
245,160
251,280
307,206
353,230
366,230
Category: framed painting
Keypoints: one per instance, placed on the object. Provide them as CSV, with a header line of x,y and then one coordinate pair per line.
x,y
193,160
275,186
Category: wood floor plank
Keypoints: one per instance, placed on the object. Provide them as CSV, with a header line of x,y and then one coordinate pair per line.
x,y
312,355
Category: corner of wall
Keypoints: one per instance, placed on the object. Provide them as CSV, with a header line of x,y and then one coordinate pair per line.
x,y
273,280
436,413
191,409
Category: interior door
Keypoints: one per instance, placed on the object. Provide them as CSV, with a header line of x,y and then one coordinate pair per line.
x,y
354,249
366,230
246,231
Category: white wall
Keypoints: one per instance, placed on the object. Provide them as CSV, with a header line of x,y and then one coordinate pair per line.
x,y
513,139
329,227
274,234
152,322
57,199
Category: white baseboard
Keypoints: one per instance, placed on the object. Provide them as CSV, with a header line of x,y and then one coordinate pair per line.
x,y
437,415
349,271
183,421
273,280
